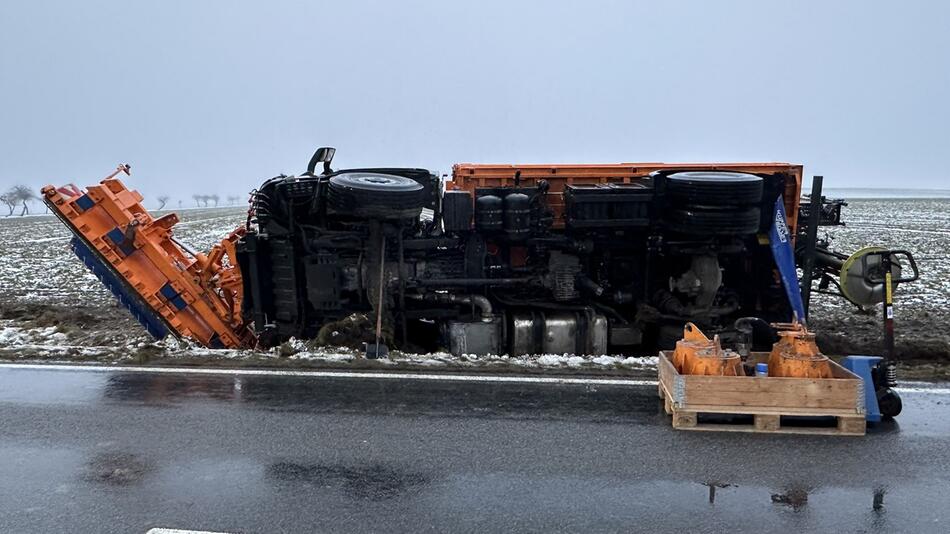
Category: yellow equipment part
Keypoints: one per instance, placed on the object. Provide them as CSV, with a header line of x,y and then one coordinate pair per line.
x,y
696,354
796,355
855,287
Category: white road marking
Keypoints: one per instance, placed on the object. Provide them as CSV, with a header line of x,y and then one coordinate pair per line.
x,y
922,387
331,374
909,387
179,531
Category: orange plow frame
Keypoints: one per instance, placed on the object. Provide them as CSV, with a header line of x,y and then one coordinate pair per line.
x,y
194,295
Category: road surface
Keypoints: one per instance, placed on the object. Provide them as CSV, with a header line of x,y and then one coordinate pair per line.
x,y
128,451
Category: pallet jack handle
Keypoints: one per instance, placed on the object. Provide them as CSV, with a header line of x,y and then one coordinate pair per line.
x,y
884,276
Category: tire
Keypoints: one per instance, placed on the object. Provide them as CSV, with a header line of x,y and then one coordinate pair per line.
x,y
889,403
743,221
375,195
713,188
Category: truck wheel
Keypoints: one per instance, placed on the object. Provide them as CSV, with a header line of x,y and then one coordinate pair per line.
x,y
712,188
375,195
700,221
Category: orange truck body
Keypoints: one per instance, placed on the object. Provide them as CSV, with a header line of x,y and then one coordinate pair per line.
x,y
472,176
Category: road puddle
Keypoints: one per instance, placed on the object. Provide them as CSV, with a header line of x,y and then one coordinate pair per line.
x,y
372,482
116,469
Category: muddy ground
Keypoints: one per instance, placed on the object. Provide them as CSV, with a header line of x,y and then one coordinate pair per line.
x,y
51,307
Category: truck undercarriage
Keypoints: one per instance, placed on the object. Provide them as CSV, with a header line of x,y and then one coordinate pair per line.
x,y
515,259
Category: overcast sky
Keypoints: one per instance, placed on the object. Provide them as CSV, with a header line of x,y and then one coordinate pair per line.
x,y
202,96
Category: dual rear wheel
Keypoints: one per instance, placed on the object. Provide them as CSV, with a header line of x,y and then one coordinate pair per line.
x,y
713,203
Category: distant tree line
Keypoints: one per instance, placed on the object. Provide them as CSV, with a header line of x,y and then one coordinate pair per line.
x,y
201,201
18,196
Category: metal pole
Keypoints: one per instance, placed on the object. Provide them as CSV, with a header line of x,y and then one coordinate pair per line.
x,y
402,287
811,238
382,285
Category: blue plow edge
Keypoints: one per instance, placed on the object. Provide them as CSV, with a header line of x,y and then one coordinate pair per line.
x,y
131,301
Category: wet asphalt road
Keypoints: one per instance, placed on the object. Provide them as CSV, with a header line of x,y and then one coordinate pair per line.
x,y
125,452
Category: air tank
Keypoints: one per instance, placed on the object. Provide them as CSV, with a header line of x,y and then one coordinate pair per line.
x,y
517,215
488,213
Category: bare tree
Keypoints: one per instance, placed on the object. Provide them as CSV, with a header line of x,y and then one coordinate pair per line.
x,y
24,195
233,199
179,204
197,200
215,198
9,200
162,200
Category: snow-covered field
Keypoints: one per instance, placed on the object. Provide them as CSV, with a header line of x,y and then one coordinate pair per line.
x,y
51,307
922,308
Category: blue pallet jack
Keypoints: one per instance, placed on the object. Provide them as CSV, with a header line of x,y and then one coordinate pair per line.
x,y
880,267
880,372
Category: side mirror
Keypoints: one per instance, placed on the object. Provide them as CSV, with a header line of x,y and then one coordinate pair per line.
x,y
322,155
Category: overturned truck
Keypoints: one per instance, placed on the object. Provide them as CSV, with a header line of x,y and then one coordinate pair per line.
x,y
516,259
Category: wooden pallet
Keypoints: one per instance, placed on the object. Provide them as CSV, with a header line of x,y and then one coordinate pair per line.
x,y
690,398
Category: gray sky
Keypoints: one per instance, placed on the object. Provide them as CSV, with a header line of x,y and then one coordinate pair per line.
x,y
202,96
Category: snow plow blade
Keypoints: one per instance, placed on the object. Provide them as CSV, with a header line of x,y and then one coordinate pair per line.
x,y
167,288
